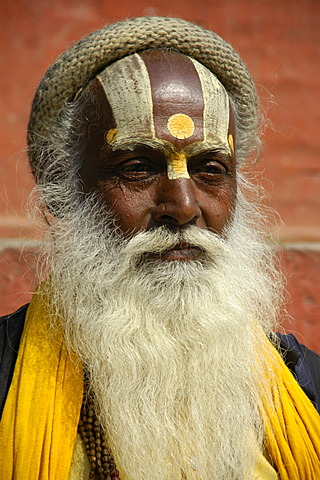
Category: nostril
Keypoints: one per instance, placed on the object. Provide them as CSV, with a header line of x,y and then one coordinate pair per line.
x,y
168,218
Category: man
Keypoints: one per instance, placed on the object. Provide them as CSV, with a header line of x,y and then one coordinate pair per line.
x,y
149,351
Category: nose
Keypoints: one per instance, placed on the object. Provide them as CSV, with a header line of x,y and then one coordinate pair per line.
x,y
176,203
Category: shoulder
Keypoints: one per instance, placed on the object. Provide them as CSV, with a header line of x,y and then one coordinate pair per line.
x,y
11,328
304,364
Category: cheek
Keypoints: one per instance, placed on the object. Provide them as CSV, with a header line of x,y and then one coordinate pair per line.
x,y
131,210
218,209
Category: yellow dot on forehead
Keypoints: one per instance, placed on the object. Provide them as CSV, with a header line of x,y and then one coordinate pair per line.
x,y
180,125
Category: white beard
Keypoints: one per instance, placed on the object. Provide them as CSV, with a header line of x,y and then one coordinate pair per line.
x,y
171,347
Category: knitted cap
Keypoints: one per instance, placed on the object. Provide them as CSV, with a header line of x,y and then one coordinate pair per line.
x,y
79,64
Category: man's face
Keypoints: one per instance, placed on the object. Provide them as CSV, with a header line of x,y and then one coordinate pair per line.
x,y
154,135
158,153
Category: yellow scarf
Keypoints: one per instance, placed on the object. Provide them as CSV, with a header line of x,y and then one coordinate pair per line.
x,y
292,428
41,414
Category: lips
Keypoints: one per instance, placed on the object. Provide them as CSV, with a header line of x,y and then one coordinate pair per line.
x,y
183,251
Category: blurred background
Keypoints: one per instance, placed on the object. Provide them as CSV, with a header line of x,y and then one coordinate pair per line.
x,y
280,42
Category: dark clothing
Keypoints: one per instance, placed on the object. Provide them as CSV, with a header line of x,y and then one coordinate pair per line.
x,y
11,328
303,363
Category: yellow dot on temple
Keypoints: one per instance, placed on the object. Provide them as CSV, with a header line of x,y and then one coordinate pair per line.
x,y
180,125
111,135
231,142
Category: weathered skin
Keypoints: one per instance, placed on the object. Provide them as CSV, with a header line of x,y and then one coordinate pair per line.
x,y
132,176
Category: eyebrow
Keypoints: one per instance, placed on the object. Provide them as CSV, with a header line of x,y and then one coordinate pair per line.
x,y
131,144
206,147
166,147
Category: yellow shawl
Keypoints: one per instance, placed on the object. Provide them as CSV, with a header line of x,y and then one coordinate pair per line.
x,y
40,419
41,414
292,428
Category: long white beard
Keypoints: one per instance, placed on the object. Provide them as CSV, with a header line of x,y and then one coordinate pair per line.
x,y
171,347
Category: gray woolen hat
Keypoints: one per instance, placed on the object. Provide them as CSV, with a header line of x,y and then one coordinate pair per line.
x,y
74,68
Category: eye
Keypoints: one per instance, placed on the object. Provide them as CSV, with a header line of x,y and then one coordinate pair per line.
x,y
137,168
210,170
213,168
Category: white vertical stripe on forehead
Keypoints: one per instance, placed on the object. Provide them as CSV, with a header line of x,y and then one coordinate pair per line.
x,y
128,90
216,108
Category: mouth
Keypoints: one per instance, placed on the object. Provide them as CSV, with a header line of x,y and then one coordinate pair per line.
x,y
182,251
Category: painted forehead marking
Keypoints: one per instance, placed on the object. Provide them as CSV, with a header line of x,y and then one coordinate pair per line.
x,y
177,97
180,126
144,107
231,142
177,166
127,87
216,108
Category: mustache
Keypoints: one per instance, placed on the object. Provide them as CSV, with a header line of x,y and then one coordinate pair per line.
x,y
162,239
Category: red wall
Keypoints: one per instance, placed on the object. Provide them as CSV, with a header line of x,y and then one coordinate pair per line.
x,y
279,40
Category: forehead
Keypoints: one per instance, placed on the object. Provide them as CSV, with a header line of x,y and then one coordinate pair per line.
x,y
165,96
